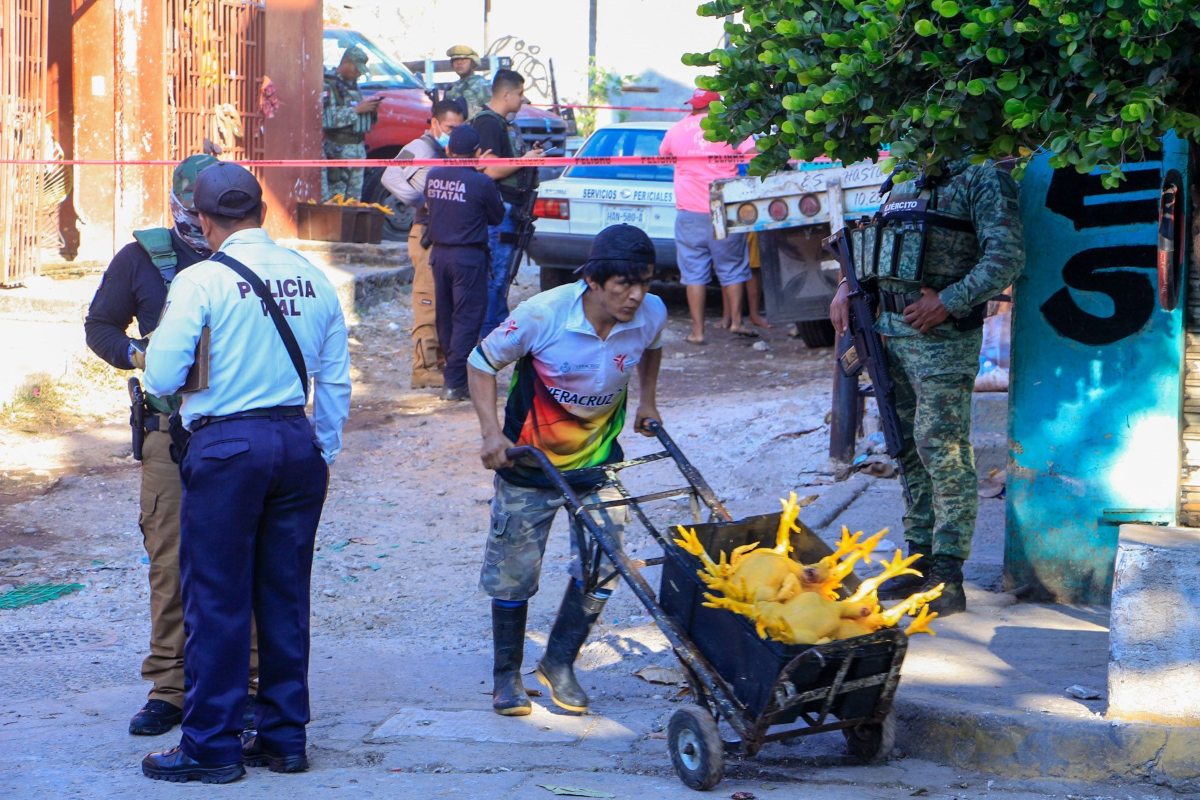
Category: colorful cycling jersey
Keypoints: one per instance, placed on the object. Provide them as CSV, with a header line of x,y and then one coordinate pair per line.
x,y
567,396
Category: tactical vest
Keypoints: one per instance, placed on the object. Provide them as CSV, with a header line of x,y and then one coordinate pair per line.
x,y
524,179
340,94
157,244
421,209
892,245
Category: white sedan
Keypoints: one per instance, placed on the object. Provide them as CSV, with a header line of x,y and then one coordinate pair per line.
x,y
573,208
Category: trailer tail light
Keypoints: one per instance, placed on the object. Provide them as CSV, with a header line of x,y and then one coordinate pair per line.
x,y
747,214
810,206
778,210
547,208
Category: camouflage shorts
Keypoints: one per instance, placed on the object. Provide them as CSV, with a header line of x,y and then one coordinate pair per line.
x,y
520,526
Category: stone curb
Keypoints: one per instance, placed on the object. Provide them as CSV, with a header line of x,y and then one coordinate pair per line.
x,y
1030,745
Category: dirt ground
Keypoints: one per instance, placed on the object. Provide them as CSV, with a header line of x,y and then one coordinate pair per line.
x,y
396,437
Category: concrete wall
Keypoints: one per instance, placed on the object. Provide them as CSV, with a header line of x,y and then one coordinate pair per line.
x,y
111,91
294,66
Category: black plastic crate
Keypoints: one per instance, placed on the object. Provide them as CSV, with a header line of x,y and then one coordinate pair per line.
x,y
753,666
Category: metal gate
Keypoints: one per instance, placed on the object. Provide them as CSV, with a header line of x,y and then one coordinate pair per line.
x,y
22,128
216,53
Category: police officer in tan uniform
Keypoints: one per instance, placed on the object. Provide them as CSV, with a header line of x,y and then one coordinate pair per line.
x,y
134,287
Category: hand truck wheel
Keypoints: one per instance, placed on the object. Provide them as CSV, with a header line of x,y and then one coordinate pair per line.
x,y
873,742
697,751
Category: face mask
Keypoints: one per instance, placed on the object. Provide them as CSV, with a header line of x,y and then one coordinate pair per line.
x,y
443,140
187,225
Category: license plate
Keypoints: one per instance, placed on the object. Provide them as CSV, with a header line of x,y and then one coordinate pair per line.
x,y
629,215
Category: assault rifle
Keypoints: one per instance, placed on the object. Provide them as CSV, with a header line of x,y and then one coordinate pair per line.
x,y
137,416
866,349
523,231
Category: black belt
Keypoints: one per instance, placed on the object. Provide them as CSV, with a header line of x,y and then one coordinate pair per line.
x,y
275,412
345,138
154,421
479,246
897,301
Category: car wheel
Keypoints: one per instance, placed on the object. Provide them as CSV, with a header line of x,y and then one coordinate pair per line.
x,y
553,277
816,333
396,226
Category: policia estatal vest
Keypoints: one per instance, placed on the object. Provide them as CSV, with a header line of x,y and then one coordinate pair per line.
x,y
134,287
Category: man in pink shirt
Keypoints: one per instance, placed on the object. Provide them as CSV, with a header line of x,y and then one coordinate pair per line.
x,y
697,252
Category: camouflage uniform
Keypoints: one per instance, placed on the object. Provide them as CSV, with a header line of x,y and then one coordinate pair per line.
x,y
344,130
474,90
934,372
521,519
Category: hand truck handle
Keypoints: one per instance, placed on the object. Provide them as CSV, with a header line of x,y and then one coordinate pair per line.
x,y
552,474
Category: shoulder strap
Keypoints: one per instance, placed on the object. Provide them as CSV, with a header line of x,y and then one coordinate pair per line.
x,y
157,244
285,330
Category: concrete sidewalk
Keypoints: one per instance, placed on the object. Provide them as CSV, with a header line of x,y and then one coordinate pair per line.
x,y
989,692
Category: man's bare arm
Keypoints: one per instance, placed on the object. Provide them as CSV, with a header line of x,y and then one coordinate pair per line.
x,y
482,386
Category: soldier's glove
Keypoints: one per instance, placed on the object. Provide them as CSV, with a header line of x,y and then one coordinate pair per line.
x,y
137,352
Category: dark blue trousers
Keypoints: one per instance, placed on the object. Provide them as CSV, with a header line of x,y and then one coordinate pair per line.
x,y
497,302
252,496
460,290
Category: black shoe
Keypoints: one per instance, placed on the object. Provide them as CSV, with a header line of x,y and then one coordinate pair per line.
x,y
901,587
455,394
509,698
255,755
947,570
156,718
556,670
176,766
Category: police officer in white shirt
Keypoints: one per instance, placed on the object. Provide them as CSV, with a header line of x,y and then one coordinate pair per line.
x,y
254,471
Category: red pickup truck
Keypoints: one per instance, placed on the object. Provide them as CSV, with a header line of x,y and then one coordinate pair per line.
x,y
404,115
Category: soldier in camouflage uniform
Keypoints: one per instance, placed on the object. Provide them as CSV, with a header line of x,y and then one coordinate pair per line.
x,y
947,244
345,121
470,90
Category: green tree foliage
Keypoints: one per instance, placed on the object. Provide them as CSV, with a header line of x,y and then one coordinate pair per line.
x,y
1094,82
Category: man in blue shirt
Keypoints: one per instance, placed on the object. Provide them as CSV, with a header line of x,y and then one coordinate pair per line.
x,y
254,471
462,203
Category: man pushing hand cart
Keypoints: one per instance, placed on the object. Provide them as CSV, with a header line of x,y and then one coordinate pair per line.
x,y
575,348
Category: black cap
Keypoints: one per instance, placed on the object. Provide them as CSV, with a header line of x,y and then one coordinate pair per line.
x,y
463,141
228,190
622,242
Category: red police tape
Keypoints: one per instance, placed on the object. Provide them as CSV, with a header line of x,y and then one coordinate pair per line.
x,y
557,161
669,109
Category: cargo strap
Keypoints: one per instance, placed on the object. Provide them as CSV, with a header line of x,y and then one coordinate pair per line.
x,y
157,244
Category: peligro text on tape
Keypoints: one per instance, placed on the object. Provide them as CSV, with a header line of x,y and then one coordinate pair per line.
x,y
557,161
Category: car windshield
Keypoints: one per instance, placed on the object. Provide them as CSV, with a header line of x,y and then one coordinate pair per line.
x,y
382,72
623,142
